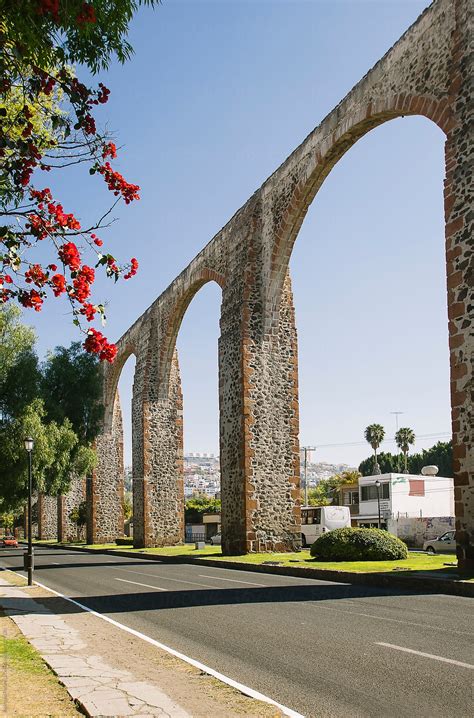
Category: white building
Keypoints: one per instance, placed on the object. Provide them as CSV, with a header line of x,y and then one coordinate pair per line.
x,y
404,496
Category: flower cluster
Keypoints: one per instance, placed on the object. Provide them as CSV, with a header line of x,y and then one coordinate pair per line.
x,y
69,254
87,15
96,343
82,283
133,269
31,299
118,185
36,275
49,7
109,150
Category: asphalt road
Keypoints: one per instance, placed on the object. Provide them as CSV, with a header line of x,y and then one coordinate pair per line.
x,y
319,647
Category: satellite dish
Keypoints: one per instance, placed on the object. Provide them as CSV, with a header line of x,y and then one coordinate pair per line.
x,y
429,470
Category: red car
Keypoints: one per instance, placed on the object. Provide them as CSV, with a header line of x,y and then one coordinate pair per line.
x,y
10,541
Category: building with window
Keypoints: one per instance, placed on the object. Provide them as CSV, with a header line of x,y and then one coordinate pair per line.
x,y
401,495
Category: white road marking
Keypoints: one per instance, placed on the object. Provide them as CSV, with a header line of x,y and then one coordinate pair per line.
x,y
427,655
307,580
233,580
392,620
166,578
145,585
246,690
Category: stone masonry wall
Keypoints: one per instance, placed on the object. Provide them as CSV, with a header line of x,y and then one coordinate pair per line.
x,y
104,490
427,72
47,517
67,530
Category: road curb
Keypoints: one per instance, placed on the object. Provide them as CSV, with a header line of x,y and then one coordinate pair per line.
x,y
420,584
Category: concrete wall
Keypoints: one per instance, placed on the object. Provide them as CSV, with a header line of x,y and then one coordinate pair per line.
x,y
427,72
414,531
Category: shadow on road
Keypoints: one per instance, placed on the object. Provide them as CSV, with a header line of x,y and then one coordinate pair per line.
x,y
175,599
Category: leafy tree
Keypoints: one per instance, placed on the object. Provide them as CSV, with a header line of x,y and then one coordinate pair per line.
x,y
319,495
52,457
127,507
199,505
7,520
83,461
375,434
72,389
20,386
15,338
326,492
388,463
404,438
47,123
78,516
440,455
58,450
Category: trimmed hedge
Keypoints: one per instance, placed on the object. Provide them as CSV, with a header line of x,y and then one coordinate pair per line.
x,y
353,544
124,541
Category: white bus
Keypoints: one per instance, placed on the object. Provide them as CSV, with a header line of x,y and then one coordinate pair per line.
x,y
316,520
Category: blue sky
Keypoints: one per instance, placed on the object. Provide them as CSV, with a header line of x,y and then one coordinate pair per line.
x,y
217,94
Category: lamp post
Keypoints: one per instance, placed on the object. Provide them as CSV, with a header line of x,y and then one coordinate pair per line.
x,y
306,449
378,485
29,444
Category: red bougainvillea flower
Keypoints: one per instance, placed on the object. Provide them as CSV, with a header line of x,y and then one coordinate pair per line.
x,y
82,282
58,283
50,7
87,15
36,275
69,254
96,240
31,299
133,269
89,311
109,150
118,185
96,343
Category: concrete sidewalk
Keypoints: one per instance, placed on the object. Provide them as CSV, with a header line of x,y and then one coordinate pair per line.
x,y
110,673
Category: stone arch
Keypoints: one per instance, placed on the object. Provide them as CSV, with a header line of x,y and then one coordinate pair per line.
x,y
112,373
175,319
105,489
324,156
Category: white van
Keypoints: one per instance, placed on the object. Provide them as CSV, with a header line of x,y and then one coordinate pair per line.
x,y
316,520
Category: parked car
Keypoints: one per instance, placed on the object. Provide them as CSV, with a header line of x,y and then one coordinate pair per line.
x,y
9,541
216,540
443,544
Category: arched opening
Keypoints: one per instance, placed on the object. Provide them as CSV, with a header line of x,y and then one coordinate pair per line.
x,y
197,347
125,395
369,282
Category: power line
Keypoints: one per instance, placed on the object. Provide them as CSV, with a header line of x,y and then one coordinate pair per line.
x,y
391,441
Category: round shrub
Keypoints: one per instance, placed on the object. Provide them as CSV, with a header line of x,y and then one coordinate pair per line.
x,y
353,544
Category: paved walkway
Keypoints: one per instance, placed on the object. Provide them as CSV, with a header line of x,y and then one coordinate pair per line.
x,y
97,687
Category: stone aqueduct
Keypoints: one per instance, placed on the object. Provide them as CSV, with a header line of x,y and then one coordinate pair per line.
x,y
428,72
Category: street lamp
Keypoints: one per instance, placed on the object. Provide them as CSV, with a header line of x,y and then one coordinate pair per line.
x,y
378,485
29,445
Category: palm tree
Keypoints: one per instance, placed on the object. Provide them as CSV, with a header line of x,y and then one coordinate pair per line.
x,y
375,434
404,437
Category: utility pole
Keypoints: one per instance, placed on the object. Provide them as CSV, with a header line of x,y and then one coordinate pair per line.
x,y
397,414
306,449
